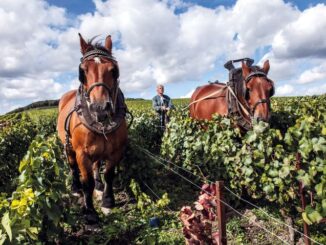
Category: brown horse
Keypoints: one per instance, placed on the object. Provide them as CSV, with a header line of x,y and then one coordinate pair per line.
x,y
247,97
91,123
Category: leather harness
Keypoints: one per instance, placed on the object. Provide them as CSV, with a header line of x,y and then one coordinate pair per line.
x,y
82,101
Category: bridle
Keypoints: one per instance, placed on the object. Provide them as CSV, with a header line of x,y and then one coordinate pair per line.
x,y
82,101
113,92
245,91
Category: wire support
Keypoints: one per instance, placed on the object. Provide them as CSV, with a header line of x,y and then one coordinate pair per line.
x,y
207,180
157,196
226,204
262,210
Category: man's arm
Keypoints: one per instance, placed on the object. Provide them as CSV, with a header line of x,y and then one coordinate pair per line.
x,y
156,105
169,102
171,106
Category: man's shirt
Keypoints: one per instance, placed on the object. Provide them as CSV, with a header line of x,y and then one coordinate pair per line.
x,y
159,101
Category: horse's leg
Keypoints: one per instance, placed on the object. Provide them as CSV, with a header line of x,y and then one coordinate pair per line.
x,y
108,196
98,181
88,184
76,185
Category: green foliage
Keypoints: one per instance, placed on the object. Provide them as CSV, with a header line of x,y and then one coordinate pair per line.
x,y
166,233
260,163
35,210
146,130
144,202
15,140
263,161
308,138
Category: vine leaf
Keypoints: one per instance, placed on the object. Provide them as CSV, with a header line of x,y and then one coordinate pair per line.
x,y
5,221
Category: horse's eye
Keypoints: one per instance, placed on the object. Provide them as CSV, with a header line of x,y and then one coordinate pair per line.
x,y
247,95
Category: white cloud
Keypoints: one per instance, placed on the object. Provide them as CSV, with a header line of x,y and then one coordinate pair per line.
x,y
303,37
189,94
281,69
29,89
154,44
316,90
313,75
284,90
256,23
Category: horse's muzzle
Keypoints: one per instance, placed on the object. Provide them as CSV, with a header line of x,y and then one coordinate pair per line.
x,y
101,111
262,118
259,119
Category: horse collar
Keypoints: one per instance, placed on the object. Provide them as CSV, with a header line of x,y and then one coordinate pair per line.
x,y
88,120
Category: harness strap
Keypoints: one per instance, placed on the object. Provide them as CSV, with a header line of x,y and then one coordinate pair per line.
x,y
206,97
239,103
115,96
67,145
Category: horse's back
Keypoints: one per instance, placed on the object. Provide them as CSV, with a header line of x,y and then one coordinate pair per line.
x,y
66,104
208,100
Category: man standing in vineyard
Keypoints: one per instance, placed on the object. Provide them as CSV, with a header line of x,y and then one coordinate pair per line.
x,y
162,104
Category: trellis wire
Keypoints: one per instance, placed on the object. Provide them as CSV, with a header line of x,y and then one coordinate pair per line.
x,y
201,179
155,194
155,158
262,210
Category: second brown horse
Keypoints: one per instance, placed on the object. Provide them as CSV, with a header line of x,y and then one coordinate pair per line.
x,y
251,97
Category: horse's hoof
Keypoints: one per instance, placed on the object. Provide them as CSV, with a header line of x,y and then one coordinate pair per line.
x,y
93,227
76,194
99,186
108,203
105,211
75,191
91,218
98,195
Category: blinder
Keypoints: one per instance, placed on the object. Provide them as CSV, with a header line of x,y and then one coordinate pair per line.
x,y
81,75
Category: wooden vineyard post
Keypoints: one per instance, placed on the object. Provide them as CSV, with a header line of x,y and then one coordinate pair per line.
x,y
303,202
221,213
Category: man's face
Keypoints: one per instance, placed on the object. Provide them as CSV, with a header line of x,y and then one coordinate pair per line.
x,y
160,90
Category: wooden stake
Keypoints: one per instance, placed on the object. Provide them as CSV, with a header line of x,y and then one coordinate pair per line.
x,y
221,213
303,202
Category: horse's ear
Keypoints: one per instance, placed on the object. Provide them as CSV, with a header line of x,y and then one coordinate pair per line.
x,y
83,44
266,66
245,69
108,43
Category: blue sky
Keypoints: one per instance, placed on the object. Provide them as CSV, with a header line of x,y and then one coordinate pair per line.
x,y
179,43
75,7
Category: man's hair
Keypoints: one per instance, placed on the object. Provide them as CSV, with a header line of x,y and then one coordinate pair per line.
x,y
159,85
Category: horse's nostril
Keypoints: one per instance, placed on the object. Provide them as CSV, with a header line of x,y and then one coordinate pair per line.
x,y
92,107
107,106
101,117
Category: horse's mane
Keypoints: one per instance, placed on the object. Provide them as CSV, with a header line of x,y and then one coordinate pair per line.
x,y
91,45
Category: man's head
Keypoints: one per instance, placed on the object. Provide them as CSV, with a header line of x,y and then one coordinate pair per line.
x,y
160,89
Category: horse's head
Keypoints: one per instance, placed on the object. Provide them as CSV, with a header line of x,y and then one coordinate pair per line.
x,y
99,73
257,90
